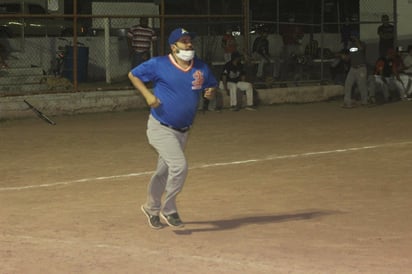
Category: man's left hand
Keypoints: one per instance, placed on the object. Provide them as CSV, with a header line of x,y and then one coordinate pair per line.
x,y
209,93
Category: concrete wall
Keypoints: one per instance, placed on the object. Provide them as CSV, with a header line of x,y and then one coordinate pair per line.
x,y
106,101
70,103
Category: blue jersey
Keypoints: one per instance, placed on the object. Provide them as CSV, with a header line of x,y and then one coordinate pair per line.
x,y
178,89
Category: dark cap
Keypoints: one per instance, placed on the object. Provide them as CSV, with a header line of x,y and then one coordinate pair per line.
x,y
178,33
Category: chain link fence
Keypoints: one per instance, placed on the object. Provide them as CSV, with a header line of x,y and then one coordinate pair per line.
x,y
45,53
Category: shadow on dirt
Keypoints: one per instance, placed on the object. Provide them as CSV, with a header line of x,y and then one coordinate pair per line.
x,y
217,225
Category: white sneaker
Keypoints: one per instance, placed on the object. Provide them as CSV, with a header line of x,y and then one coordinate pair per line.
x,y
251,108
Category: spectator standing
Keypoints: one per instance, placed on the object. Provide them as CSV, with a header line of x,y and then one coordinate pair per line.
x,y
345,32
234,80
260,51
140,39
386,33
229,45
292,35
179,80
357,74
312,48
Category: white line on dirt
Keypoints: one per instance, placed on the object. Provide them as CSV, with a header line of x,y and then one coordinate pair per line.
x,y
269,158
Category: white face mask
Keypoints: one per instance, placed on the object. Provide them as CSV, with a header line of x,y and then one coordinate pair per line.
x,y
185,55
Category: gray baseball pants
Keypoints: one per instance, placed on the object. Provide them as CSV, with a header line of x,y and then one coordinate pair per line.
x,y
171,170
356,76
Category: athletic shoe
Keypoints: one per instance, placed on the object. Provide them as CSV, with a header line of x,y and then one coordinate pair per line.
x,y
235,108
347,106
153,220
172,219
251,108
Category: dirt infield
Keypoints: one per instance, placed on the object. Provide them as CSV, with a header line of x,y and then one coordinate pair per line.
x,y
310,188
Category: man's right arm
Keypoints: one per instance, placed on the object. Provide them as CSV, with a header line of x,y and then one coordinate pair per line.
x,y
150,98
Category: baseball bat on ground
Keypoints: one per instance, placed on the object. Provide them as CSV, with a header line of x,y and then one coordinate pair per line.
x,y
40,114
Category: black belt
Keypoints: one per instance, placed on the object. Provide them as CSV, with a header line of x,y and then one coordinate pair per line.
x,y
182,130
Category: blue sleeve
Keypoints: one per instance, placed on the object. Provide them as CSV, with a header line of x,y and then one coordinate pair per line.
x,y
145,71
